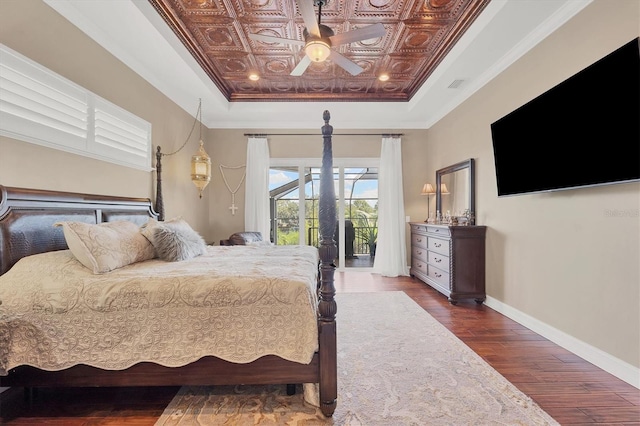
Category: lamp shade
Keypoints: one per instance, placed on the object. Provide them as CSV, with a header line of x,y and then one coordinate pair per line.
x,y
443,189
201,169
428,189
317,50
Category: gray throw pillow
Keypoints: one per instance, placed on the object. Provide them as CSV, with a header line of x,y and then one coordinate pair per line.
x,y
176,240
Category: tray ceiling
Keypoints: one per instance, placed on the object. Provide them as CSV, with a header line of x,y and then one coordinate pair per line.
x,y
419,34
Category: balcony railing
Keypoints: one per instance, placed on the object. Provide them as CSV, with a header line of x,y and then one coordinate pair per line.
x,y
360,245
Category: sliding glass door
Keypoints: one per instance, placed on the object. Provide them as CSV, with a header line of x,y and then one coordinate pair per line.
x,y
360,216
294,212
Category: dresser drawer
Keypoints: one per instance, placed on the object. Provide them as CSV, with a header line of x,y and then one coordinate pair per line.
x,y
420,228
419,264
438,275
418,240
438,260
420,253
444,231
438,245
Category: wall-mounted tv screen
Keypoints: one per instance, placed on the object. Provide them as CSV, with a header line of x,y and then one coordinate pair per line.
x,y
583,132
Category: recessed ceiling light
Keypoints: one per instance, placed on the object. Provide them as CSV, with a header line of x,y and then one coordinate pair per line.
x,y
383,77
254,77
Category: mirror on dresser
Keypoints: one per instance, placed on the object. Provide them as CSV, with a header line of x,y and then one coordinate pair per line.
x,y
455,191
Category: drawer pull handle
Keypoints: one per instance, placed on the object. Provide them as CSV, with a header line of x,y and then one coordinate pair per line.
x,y
437,244
419,252
437,275
438,260
419,240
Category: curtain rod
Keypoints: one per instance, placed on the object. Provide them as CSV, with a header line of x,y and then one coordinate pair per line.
x,y
264,135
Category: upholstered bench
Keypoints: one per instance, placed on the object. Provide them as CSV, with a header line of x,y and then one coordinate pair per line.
x,y
242,238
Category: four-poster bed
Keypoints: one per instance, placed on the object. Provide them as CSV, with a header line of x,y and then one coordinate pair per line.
x,y
27,218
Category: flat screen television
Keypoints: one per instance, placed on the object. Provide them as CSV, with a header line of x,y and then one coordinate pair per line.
x,y
583,132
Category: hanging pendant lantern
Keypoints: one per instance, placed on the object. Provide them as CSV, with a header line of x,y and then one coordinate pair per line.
x,y
201,168
200,165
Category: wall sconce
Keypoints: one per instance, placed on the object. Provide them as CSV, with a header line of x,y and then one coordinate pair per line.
x,y
428,190
200,165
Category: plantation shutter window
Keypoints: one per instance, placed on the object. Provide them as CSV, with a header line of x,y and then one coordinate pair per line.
x,y
41,107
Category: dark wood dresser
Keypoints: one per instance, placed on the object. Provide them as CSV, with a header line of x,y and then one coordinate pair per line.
x,y
450,259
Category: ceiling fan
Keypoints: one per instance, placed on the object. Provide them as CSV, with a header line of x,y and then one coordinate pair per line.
x,y
318,39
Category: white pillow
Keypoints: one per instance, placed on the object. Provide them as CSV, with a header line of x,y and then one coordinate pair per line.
x,y
174,240
106,246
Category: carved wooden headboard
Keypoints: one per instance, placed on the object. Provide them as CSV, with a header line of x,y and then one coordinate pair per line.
x,y
27,217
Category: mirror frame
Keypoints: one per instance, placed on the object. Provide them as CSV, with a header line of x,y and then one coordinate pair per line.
x,y
470,164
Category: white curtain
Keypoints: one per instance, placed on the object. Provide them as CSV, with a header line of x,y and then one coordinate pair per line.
x,y
391,251
256,212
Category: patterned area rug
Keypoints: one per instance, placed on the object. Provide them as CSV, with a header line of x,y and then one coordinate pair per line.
x,y
397,366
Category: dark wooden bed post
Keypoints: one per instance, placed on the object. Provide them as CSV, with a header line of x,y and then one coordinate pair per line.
x,y
327,304
159,207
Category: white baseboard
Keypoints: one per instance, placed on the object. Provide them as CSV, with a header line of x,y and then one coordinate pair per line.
x,y
610,364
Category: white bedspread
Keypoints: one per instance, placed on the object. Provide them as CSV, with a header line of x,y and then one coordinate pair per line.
x,y
237,303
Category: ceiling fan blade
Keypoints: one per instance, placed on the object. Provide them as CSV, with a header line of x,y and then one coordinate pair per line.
x,y
364,33
351,67
309,17
272,39
301,67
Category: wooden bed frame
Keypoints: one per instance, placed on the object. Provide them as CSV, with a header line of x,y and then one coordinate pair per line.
x,y
26,228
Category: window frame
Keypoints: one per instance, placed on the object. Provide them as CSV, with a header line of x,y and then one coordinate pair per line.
x,y
41,107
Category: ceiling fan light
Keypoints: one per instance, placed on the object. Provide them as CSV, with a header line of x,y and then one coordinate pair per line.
x,y
317,50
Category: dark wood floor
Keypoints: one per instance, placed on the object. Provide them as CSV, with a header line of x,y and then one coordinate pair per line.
x,y
570,389
359,261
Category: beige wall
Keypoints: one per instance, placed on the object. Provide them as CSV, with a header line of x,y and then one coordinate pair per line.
x,y
36,31
557,257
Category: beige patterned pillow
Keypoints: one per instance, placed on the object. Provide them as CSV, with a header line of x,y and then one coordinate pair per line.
x,y
148,228
106,246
